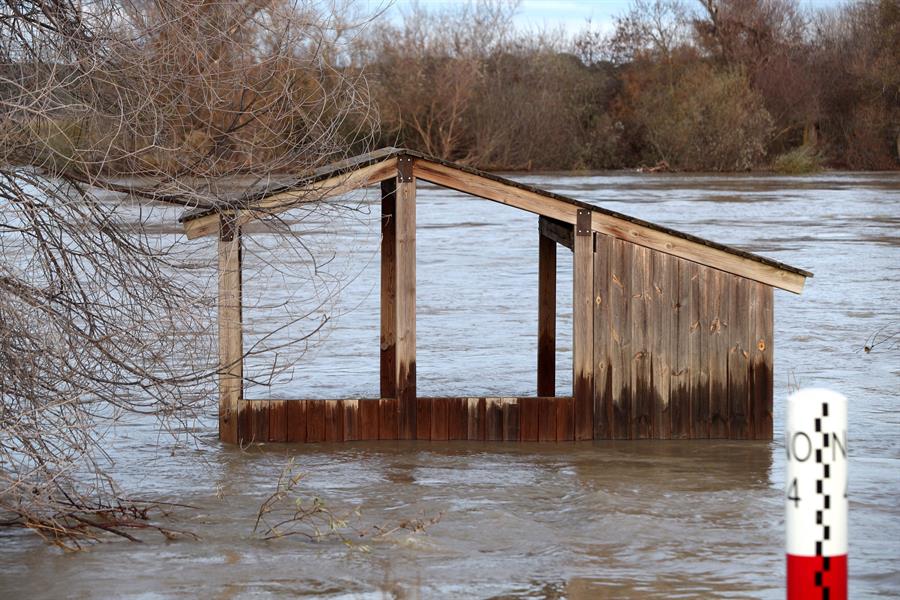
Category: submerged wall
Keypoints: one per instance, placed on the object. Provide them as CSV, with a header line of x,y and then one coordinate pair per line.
x,y
680,350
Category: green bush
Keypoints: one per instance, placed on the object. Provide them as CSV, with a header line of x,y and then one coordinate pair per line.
x,y
799,161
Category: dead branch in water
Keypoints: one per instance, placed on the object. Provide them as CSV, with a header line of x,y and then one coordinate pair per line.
x,y
101,315
286,512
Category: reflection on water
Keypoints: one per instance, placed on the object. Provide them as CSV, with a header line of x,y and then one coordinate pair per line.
x,y
577,520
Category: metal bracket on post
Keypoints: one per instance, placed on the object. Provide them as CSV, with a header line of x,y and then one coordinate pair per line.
x,y
583,223
405,169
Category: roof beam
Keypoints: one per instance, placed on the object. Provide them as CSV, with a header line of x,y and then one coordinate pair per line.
x,y
608,224
333,186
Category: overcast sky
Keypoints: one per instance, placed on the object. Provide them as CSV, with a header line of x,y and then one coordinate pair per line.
x,y
569,14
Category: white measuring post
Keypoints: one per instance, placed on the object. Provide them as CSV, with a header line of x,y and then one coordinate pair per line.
x,y
816,495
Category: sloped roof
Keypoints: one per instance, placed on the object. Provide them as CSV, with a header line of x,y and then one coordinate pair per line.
x,y
367,169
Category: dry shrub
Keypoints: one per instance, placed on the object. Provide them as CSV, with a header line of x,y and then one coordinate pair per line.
x,y
707,120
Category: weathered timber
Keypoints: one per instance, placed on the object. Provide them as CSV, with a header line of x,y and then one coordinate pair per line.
x,y
439,418
296,420
406,299
716,296
547,410
368,419
315,420
231,352
642,400
558,231
620,337
762,374
388,418
351,420
388,370
334,420
664,290
423,419
457,419
511,422
686,343
583,328
277,421
546,353
603,417
493,421
740,426
206,222
528,419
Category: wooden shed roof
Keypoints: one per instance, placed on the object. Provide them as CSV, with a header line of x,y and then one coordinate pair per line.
x,y
360,171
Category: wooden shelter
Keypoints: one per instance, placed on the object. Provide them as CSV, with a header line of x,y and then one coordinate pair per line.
x,y
672,333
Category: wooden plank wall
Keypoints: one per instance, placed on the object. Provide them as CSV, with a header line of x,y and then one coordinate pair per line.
x,y
478,419
680,350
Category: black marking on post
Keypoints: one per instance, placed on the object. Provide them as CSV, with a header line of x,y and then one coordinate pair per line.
x,y
826,593
827,502
827,532
827,471
818,548
818,579
819,455
818,517
825,439
824,409
818,486
818,425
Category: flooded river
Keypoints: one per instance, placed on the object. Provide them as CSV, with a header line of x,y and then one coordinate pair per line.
x,y
575,520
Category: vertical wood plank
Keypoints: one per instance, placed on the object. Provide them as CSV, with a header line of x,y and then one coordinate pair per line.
x,y
493,419
699,365
762,381
260,420
439,418
334,421
315,421
620,337
546,353
663,332
406,298
716,309
687,348
351,420
474,420
642,404
296,417
368,419
423,418
602,367
565,419
388,418
511,422
231,367
583,323
458,419
389,288
547,419
740,426
528,419
277,421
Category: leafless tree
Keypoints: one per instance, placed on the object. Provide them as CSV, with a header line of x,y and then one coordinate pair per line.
x,y
108,111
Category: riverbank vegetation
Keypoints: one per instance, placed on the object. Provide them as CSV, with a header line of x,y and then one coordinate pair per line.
x,y
716,85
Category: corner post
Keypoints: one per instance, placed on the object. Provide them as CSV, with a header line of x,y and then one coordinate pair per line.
x,y
231,351
405,219
546,352
389,288
583,323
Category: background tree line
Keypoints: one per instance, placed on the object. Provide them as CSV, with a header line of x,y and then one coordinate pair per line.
x,y
700,84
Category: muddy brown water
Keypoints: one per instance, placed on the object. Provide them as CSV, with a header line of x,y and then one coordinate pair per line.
x,y
576,520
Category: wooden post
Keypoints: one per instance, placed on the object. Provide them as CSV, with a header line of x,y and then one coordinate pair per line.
x,y
546,355
583,322
405,217
231,366
389,288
